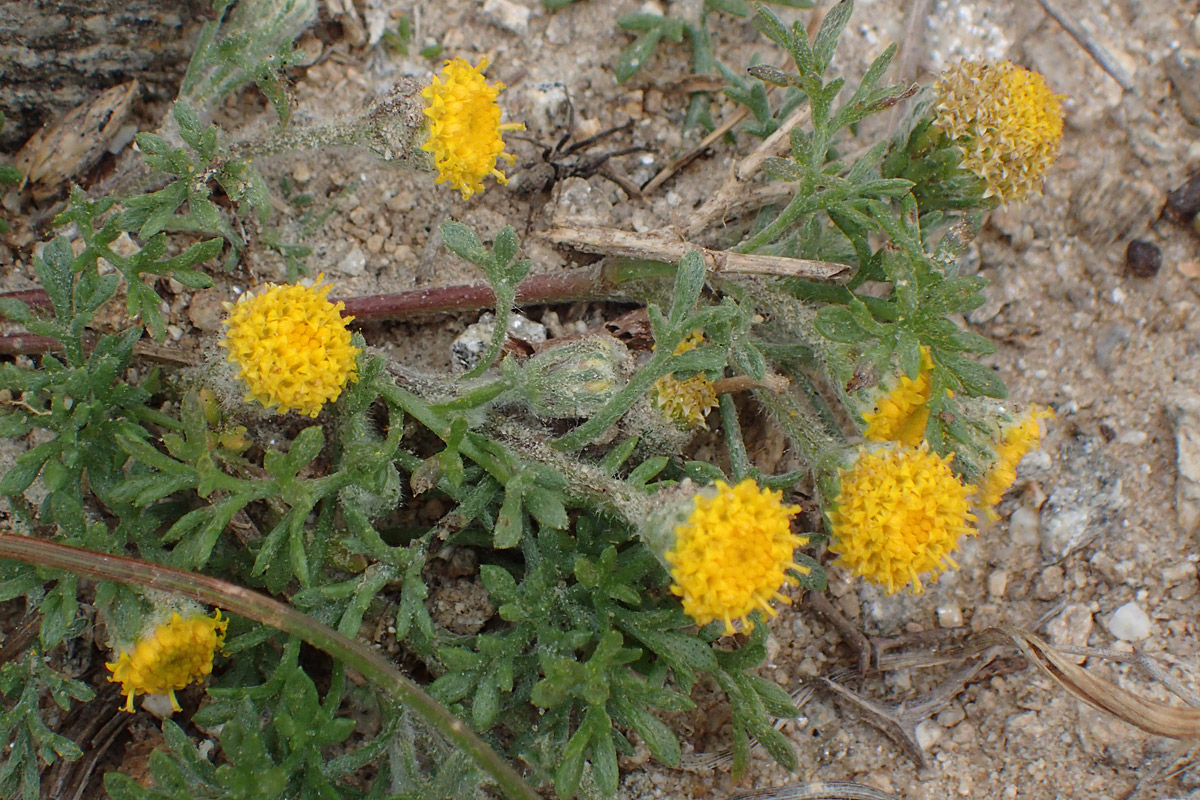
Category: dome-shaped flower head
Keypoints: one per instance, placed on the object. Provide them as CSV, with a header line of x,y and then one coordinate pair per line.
x,y
1006,123
899,512
464,126
168,658
1017,438
292,347
729,550
901,413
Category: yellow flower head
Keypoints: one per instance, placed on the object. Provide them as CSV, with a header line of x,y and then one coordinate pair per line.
x,y
901,414
1006,122
464,126
899,513
685,403
733,552
176,653
1017,439
292,347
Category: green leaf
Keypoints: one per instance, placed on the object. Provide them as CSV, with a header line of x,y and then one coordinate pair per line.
x,y
827,37
15,310
485,705
838,324
777,702
10,175
975,377
604,753
510,522
662,742
635,56
506,245
908,351
499,582
26,468
570,767
547,508
54,271
462,241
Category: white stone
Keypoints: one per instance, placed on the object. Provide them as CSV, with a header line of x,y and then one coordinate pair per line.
x,y
157,704
508,15
950,615
929,733
354,264
997,583
1129,622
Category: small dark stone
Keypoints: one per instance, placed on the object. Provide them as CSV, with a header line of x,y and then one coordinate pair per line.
x,y
1184,202
1143,259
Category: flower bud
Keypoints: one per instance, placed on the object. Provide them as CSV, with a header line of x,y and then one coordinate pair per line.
x,y
575,379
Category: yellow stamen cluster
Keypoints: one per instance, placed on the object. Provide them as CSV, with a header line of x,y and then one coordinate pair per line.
x,y
292,347
176,653
687,402
732,554
1005,121
1016,441
464,126
902,414
899,514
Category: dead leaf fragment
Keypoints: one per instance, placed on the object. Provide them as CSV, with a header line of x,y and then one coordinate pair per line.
x,y
59,152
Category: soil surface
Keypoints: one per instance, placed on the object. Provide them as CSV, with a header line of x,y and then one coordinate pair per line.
x,y
1095,522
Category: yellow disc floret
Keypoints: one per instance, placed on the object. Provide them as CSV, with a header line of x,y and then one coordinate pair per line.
x,y
1017,439
464,126
292,347
901,414
1005,121
732,554
174,654
686,402
898,515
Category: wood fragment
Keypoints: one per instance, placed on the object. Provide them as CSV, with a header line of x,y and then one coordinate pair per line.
x,y
615,242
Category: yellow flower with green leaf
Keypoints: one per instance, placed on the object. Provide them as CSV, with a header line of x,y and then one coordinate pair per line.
x,y
465,132
292,347
173,655
732,553
1005,121
901,413
898,514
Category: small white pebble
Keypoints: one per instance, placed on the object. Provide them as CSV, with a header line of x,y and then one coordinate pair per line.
x,y
1129,622
950,616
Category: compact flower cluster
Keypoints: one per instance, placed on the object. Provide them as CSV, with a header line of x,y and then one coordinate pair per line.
x,y
685,402
898,515
732,552
901,414
1006,123
174,654
292,347
464,127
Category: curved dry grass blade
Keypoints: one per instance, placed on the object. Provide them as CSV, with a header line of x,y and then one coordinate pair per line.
x,y
818,791
1151,716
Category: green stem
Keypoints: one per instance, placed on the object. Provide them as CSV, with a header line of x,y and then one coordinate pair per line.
x,y
267,611
424,413
739,459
